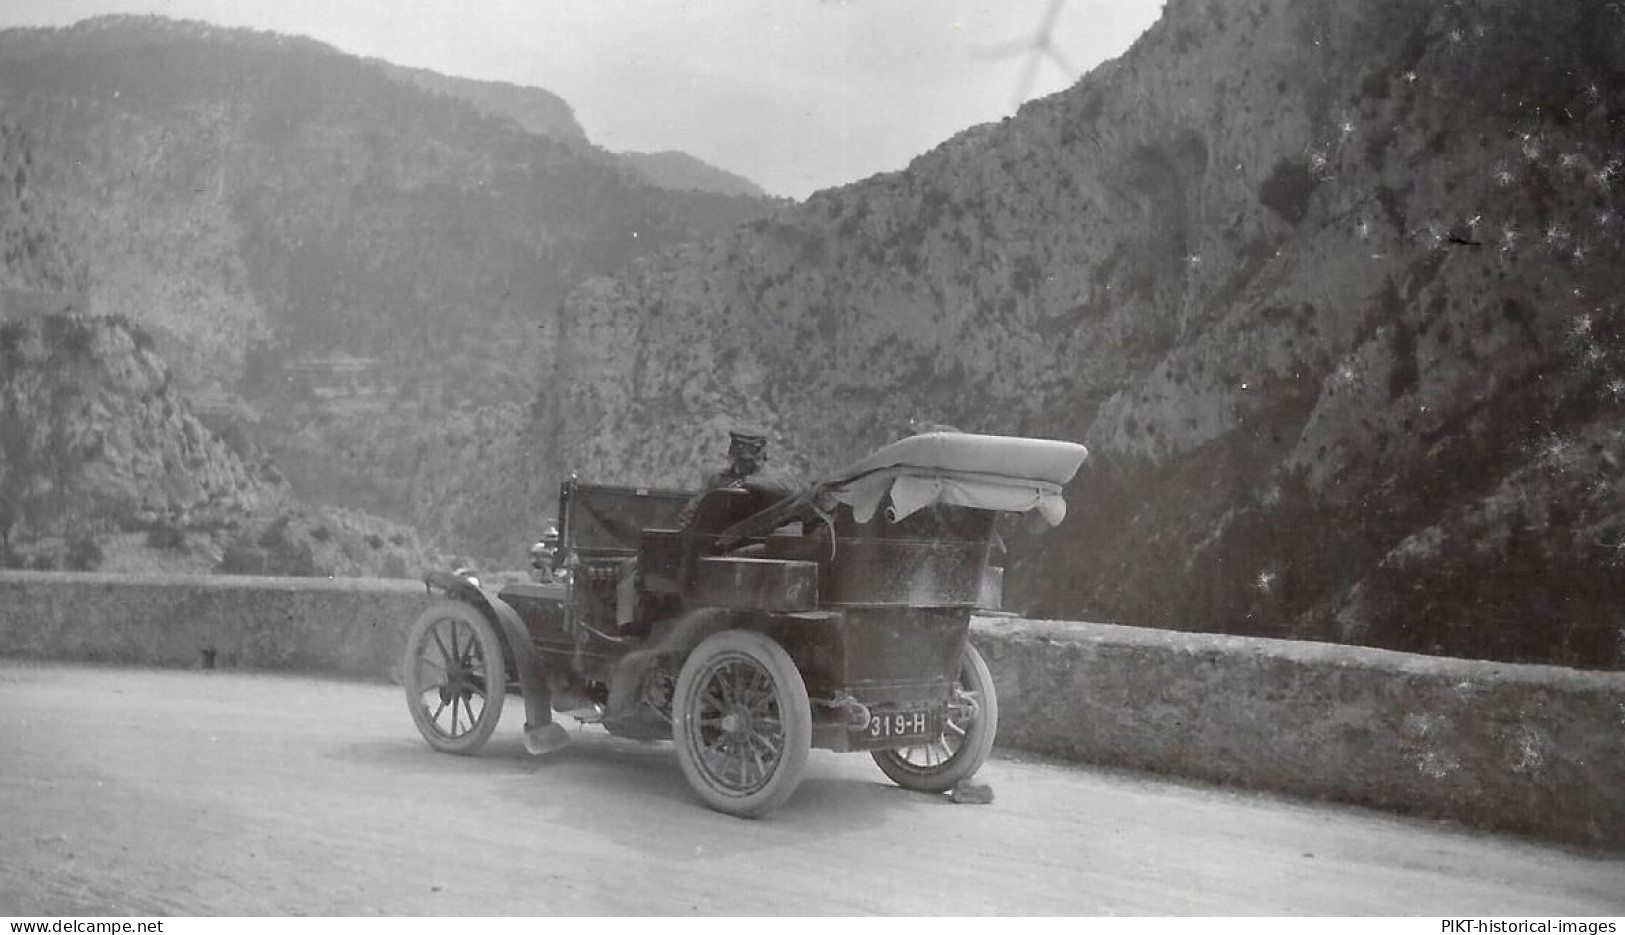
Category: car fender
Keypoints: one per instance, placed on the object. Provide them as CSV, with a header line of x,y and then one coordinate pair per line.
x,y
673,637
515,639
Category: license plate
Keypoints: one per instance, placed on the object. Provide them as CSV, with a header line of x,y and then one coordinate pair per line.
x,y
886,728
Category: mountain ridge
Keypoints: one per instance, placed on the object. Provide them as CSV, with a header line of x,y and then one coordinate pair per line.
x,y
679,171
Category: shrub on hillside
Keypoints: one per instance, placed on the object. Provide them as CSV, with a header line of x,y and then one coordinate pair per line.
x,y
244,560
1287,190
166,535
84,554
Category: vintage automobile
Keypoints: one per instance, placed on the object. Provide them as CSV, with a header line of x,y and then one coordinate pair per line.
x,y
834,618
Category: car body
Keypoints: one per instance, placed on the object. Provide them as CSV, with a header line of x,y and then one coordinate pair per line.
x,y
834,618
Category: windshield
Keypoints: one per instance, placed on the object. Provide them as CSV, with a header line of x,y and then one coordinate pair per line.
x,y
615,517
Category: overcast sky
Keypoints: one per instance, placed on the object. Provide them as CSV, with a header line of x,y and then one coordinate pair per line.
x,y
796,95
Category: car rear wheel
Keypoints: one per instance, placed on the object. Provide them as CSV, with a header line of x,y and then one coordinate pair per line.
x,y
966,738
742,723
454,677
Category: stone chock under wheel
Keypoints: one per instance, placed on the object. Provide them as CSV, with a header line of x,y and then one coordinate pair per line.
x,y
971,792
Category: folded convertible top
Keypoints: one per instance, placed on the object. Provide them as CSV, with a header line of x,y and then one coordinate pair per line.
x,y
990,472
1006,455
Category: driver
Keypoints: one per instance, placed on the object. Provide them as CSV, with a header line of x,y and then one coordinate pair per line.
x,y
747,458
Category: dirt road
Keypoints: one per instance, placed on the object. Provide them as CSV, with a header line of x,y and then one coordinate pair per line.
x,y
136,792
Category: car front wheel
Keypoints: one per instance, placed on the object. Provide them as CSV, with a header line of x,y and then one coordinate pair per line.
x,y
454,677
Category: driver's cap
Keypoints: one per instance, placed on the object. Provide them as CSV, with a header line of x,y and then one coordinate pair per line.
x,y
750,438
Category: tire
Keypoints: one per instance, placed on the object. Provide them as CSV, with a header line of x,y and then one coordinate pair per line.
x,y
453,666
741,703
967,737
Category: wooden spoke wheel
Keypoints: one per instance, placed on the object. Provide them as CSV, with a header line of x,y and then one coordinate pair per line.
x,y
454,676
966,739
742,723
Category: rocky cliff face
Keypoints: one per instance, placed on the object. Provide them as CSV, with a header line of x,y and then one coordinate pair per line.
x,y
1332,291
339,261
103,464
37,274
96,439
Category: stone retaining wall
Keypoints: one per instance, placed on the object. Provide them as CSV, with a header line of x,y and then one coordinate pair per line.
x,y
339,626
1537,750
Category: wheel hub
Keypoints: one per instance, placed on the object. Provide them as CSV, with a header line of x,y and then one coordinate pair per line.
x,y
457,684
736,722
